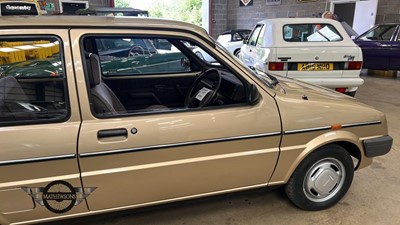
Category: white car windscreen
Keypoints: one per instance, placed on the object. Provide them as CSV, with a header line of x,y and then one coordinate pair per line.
x,y
324,34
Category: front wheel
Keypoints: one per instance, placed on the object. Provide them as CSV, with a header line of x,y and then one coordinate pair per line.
x,y
321,179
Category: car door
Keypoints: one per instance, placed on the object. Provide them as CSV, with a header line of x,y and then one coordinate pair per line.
x,y
376,46
39,124
148,157
249,49
394,57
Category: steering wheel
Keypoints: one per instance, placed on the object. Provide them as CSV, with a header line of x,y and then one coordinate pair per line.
x,y
204,89
134,49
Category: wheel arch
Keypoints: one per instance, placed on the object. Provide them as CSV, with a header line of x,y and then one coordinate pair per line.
x,y
295,155
352,149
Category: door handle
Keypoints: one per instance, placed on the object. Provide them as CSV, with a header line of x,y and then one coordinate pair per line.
x,y
112,133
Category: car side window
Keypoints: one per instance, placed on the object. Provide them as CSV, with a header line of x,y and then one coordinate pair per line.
x,y
310,33
225,38
254,35
130,56
135,80
382,32
245,34
236,37
32,81
260,39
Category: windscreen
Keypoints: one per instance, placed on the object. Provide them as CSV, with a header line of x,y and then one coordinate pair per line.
x,y
310,33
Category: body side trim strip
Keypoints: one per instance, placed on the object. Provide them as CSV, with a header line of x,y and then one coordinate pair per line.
x,y
329,127
361,124
153,147
38,159
307,130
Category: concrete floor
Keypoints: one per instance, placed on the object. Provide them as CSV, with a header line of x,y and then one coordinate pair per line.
x,y
372,199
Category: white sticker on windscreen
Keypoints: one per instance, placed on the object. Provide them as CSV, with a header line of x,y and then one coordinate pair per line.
x,y
202,93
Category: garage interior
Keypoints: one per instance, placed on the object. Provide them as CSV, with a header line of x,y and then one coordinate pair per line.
x,y
372,198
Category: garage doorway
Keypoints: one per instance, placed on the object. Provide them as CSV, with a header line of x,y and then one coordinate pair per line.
x,y
359,14
345,11
205,9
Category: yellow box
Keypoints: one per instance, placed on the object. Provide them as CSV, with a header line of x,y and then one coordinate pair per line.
x,y
11,55
34,52
40,42
50,48
11,44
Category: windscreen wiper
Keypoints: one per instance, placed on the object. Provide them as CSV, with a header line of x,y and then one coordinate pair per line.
x,y
274,80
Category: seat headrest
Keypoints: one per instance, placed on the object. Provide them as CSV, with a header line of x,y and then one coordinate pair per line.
x,y
10,89
95,69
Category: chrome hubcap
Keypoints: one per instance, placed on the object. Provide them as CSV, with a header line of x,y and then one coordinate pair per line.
x,y
324,180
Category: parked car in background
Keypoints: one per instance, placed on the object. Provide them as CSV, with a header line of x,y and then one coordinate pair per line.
x,y
380,46
313,50
124,125
49,67
232,40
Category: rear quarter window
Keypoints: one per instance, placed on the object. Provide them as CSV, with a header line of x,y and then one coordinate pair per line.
x,y
32,81
310,33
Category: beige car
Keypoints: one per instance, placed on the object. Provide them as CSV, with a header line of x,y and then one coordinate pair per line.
x,y
99,114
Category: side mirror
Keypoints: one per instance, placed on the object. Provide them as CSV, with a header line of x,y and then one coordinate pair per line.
x,y
253,68
254,95
245,41
185,63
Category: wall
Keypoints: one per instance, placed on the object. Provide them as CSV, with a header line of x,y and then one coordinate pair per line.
x,y
247,17
219,20
228,14
388,11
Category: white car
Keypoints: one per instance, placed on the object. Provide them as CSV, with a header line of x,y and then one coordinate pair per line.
x,y
314,50
232,40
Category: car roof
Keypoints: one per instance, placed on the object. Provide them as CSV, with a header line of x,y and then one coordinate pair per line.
x,y
235,30
97,22
297,20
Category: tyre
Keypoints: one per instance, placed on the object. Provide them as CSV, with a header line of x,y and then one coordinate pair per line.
x,y
237,52
352,93
321,179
